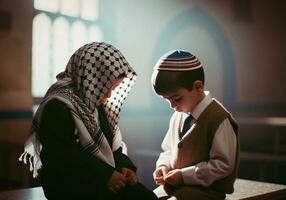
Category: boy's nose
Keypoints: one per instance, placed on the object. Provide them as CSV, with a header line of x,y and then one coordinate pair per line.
x,y
173,104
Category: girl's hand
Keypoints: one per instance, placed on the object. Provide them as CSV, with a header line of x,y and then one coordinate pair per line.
x,y
129,175
116,182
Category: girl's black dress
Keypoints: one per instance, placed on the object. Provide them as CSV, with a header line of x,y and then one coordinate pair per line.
x,y
69,171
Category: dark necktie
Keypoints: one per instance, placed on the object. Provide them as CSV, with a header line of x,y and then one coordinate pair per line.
x,y
186,126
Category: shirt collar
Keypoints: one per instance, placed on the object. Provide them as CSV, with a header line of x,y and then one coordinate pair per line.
x,y
202,105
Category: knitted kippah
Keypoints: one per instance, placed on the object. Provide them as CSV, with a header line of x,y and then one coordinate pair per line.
x,y
178,60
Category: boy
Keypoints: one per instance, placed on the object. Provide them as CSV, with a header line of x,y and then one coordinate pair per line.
x,y
200,150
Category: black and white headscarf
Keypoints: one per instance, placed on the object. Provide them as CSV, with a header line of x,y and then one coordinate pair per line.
x,y
89,74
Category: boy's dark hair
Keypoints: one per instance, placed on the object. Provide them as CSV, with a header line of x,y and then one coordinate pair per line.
x,y
165,81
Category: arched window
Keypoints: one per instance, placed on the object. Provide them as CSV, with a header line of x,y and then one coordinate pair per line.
x,y
78,34
59,28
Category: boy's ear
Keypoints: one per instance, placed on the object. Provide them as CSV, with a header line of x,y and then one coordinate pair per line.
x,y
198,85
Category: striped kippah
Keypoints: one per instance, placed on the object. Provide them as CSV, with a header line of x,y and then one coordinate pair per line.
x,y
178,60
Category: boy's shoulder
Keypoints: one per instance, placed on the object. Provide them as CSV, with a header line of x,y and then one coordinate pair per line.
x,y
217,105
214,111
218,112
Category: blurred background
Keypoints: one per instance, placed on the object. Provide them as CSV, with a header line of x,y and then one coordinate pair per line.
x,y
241,44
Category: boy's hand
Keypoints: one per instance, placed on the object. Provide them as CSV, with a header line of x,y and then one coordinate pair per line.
x,y
129,175
174,177
116,182
159,175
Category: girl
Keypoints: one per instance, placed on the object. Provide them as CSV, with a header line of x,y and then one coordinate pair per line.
x,y
76,142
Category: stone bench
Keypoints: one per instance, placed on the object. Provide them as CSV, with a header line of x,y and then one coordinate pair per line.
x,y
244,190
256,190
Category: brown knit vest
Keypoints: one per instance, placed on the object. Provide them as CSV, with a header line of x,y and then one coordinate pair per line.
x,y
196,146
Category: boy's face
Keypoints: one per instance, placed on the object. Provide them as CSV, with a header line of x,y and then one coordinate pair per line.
x,y
184,100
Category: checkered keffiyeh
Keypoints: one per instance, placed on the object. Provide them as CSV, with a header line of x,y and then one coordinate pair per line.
x,y
89,74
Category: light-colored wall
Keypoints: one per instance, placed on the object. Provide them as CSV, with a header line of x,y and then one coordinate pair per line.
x,y
15,76
15,55
252,48
15,89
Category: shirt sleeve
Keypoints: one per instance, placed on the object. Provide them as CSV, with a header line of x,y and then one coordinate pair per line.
x,y
222,159
165,156
63,157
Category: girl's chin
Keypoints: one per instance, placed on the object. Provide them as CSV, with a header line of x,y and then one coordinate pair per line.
x,y
101,102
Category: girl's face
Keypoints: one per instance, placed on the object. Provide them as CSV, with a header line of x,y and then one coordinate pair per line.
x,y
108,94
184,100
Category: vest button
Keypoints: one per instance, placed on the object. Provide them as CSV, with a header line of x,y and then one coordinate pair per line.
x,y
180,145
